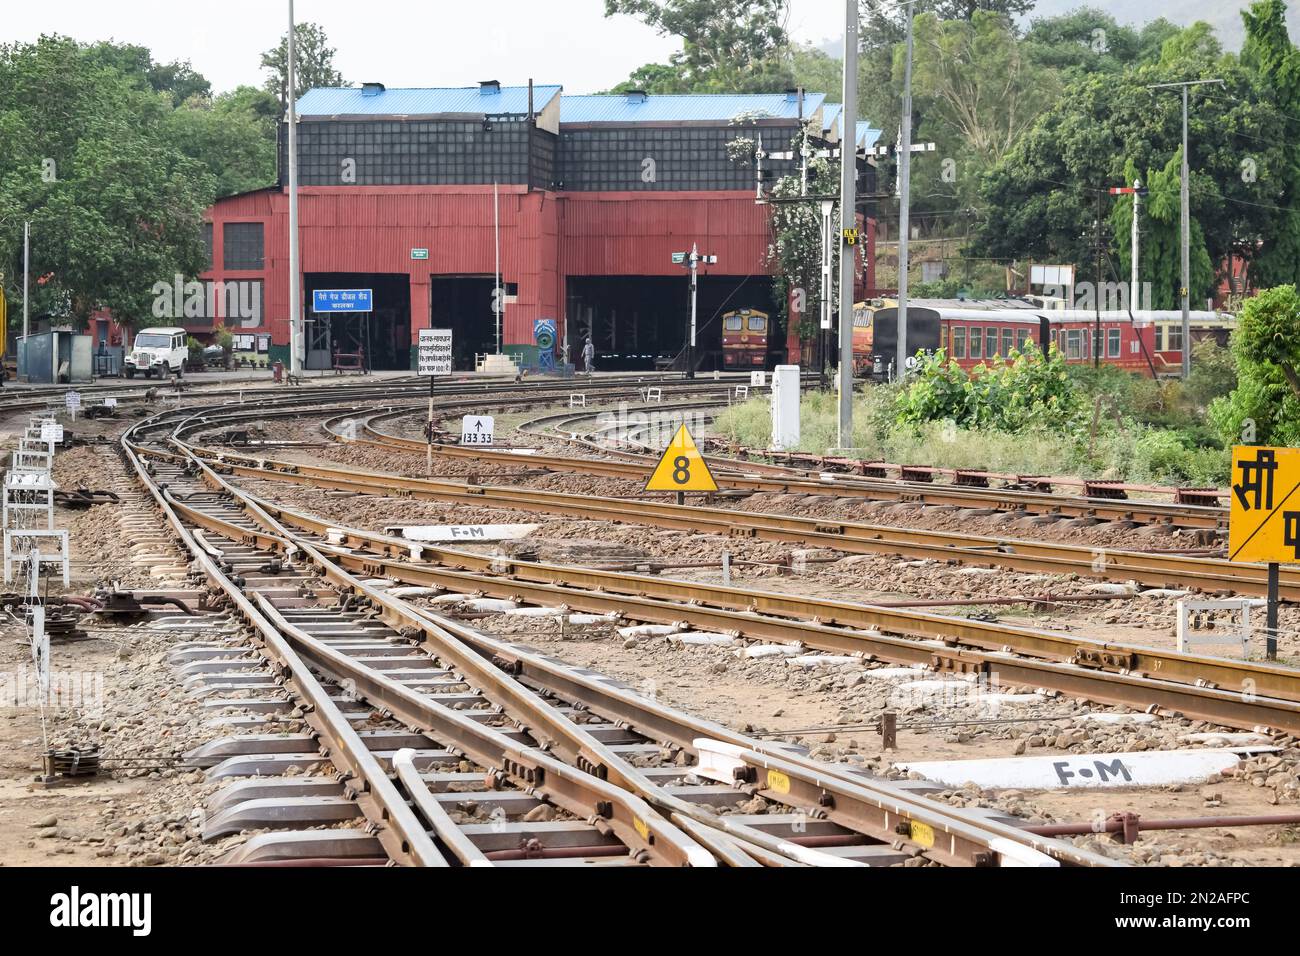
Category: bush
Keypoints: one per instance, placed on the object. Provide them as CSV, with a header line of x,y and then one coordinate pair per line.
x,y
1029,390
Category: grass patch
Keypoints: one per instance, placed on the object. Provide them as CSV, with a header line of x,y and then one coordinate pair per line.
x,y
1130,452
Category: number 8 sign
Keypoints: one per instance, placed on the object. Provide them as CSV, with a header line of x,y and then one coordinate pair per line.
x,y
682,467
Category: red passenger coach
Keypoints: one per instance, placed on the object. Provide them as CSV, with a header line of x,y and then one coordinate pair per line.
x,y
1138,343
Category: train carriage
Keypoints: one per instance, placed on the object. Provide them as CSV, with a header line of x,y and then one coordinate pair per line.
x,y
975,333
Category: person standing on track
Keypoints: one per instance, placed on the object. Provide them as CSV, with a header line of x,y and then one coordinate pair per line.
x,y
589,356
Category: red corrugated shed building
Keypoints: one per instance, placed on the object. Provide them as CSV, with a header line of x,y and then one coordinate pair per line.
x,y
401,192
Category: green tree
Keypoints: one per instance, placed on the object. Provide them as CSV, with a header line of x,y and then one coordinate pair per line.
x,y
1161,226
1089,40
733,46
1265,406
1275,62
86,155
234,136
1040,198
313,64
973,82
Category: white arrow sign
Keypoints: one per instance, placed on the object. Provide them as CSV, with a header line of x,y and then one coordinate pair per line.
x,y
477,430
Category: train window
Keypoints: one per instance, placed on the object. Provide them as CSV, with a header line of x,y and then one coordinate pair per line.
x,y
758,323
1022,338
1073,344
990,343
1173,338
1112,343
733,323
959,342
1008,338
976,343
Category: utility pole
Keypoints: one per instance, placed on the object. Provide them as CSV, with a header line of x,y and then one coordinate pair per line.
x,y
1135,292
498,297
27,268
848,219
1186,294
693,263
1096,289
904,204
297,338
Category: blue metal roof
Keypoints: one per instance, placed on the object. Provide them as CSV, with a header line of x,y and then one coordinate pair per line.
x,y
352,101
689,107
830,113
868,136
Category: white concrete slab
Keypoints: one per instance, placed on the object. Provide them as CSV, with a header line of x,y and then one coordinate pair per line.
x,y
1081,771
462,533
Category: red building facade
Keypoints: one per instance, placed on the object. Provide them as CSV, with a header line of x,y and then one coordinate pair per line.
x,y
573,248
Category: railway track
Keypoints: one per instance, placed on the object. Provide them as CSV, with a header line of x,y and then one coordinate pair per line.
x,y
1250,695
751,476
469,720
1150,569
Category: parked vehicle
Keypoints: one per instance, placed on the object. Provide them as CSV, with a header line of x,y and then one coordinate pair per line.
x,y
160,352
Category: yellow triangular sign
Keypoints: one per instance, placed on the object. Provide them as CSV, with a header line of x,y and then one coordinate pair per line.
x,y
682,467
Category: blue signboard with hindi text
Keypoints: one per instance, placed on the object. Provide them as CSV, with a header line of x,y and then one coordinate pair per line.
x,y
343,300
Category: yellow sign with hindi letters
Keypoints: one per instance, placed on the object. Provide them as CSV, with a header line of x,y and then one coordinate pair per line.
x,y
682,467
1264,509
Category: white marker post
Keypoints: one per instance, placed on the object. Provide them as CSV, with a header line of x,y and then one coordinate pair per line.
x,y
785,408
434,359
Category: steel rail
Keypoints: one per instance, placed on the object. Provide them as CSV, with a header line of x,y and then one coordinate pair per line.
x,y
530,768
1230,707
974,853
1253,677
964,845
774,479
395,825
1150,569
785,776
672,604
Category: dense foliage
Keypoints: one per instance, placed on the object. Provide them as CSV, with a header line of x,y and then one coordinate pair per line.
x,y
113,158
1025,390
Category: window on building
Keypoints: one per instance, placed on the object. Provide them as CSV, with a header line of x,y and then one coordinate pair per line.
x,y
959,342
1112,343
242,245
990,343
976,343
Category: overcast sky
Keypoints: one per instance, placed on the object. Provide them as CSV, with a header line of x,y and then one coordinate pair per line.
x,y
397,42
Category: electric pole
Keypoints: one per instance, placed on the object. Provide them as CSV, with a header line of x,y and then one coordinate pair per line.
x,y
1135,293
904,204
848,219
1186,292
297,340
27,268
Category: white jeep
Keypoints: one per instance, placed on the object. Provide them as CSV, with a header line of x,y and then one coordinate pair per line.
x,y
157,351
